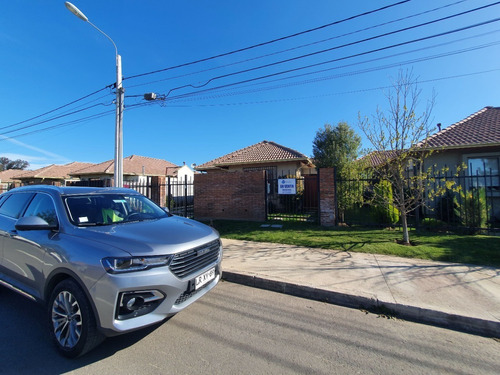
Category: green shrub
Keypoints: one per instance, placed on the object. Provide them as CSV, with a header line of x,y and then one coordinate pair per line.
x,y
431,223
472,209
383,210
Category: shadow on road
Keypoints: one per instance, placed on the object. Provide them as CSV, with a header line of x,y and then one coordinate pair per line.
x,y
26,347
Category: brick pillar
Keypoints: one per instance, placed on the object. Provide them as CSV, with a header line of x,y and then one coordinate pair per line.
x,y
158,191
327,212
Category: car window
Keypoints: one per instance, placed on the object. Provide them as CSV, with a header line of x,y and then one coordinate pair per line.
x,y
105,209
15,204
2,198
42,206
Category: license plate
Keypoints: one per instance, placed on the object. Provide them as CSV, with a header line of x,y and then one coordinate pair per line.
x,y
204,278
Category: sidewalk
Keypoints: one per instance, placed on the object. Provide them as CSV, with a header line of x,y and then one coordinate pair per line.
x,y
455,296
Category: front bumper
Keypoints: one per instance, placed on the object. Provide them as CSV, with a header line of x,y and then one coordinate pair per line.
x,y
178,295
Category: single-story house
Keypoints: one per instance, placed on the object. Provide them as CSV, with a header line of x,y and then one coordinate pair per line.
x,y
52,174
8,177
136,169
474,142
279,161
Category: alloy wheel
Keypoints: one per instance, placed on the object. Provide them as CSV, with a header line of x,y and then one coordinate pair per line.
x,y
66,319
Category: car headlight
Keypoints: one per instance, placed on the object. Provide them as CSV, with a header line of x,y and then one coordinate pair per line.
x,y
132,264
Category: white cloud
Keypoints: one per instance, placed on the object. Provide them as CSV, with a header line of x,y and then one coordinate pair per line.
x,y
36,161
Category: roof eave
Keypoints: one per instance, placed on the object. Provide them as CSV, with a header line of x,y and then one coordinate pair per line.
x,y
458,147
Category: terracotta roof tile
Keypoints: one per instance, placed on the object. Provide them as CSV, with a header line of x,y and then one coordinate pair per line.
x,y
54,171
479,129
132,165
10,174
377,158
261,152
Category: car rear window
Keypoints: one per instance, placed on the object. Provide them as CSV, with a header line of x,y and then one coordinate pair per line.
x,y
15,204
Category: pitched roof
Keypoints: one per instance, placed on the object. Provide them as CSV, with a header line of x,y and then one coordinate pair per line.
x,y
132,165
262,152
10,174
377,158
54,171
479,129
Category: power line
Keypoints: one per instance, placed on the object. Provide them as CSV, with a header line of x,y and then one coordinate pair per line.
x,y
51,119
301,46
289,36
55,109
363,71
267,76
338,93
340,58
268,42
342,46
446,54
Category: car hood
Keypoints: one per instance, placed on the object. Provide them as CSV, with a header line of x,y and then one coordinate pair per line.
x,y
152,237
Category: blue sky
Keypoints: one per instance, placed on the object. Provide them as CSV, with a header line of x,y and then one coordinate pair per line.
x,y
51,58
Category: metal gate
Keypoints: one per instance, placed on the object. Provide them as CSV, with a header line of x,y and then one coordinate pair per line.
x,y
292,199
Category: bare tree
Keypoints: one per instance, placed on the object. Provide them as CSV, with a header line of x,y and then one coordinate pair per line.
x,y
398,136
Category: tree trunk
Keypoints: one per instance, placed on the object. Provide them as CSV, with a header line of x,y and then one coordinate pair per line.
x,y
406,235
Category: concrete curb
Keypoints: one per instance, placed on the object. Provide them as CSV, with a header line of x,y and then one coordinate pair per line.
x,y
416,314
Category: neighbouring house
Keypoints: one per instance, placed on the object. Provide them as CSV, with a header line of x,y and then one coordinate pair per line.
x,y
474,142
279,161
52,175
181,182
136,169
182,173
8,177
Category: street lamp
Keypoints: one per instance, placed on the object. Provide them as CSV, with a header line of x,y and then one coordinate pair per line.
x,y
119,99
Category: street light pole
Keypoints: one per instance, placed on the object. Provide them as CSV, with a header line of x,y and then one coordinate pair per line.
x,y
118,172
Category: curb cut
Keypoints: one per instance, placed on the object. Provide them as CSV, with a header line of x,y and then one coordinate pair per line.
x,y
471,325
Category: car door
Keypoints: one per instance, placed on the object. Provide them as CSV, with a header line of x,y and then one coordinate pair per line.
x,y
24,251
3,197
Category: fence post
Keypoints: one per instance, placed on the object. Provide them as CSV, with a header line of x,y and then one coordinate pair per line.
x,y
157,193
327,198
185,196
169,194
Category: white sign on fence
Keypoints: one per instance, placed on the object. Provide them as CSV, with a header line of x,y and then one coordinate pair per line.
x,y
287,186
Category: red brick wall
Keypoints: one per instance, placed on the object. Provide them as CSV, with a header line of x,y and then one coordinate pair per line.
x,y
327,197
158,192
231,195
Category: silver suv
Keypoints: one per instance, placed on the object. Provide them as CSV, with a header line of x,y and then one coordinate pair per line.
x,y
104,260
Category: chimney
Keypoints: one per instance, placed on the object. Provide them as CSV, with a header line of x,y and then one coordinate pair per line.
x,y
439,127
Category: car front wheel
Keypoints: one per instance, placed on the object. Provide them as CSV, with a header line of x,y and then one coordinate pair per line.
x,y
71,320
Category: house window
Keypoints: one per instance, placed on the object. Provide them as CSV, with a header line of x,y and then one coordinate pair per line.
x,y
485,171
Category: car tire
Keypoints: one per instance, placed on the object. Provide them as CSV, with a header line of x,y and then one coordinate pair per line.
x,y
71,320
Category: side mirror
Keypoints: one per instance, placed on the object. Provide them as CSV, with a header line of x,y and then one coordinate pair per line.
x,y
33,223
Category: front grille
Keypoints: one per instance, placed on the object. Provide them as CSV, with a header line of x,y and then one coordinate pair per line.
x,y
191,261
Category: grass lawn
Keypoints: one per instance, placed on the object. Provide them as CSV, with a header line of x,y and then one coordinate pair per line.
x,y
471,249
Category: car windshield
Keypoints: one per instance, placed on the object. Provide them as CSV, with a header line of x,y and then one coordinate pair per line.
x,y
107,209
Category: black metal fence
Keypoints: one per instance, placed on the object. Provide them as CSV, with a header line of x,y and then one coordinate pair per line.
x,y
292,199
450,201
177,193
180,196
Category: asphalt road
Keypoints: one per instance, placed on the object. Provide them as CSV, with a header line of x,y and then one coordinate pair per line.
x,y
241,330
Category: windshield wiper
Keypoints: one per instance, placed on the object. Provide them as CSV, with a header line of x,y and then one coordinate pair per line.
x,y
93,224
